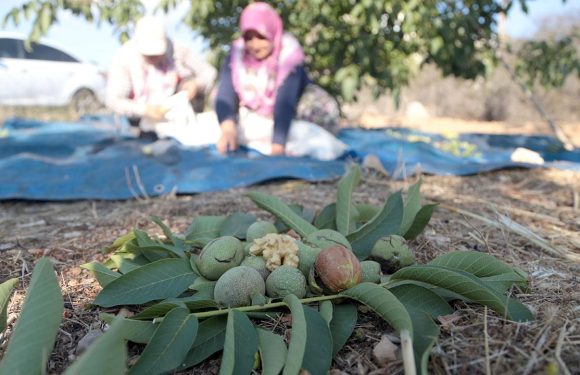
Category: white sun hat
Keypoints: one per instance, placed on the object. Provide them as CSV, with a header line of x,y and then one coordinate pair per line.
x,y
150,36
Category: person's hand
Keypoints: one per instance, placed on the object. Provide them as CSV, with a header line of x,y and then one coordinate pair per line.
x,y
190,87
155,112
278,149
229,139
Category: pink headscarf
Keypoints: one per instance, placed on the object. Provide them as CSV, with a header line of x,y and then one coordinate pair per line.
x,y
270,73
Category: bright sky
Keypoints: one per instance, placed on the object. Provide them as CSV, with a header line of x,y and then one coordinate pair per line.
x,y
89,42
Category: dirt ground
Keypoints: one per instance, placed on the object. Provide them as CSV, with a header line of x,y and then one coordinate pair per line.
x,y
473,215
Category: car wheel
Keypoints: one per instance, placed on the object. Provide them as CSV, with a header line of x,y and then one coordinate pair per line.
x,y
84,102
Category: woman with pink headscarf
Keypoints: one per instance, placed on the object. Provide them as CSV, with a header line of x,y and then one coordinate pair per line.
x,y
261,84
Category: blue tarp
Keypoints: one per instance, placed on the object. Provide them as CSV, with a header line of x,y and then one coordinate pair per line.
x,y
90,159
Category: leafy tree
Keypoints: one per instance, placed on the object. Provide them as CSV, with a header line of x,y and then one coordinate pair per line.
x,y
375,43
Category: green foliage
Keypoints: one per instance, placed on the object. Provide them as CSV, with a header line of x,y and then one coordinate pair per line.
x,y
467,285
273,352
158,280
240,346
103,274
386,222
210,339
33,336
344,317
382,302
236,225
5,292
345,220
378,44
549,62
169,345
310,346
282,211
132,330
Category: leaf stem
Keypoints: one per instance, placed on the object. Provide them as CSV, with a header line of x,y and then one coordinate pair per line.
x,y
408,355
268,306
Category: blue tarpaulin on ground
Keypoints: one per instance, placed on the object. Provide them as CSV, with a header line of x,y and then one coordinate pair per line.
x,y
92,159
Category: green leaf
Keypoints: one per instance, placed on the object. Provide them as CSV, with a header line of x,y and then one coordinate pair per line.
x,y
5,292
120,241
210,339
176,241
344,317
103,275
344,206
33,336
169,345
279,209
204,229
240,346
325,310
305,213
310,346
366,212
412,207
273,352
127,262
160,309
421,299
158,280
466,285
382,302
386,222
502,283
146,244
107,355
236,225
137,331
326,218
421,220
474,262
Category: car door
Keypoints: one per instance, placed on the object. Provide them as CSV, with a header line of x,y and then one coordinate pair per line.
x,y
48,70
12,72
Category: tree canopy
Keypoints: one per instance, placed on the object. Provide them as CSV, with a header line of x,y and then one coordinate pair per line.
x,y
378,44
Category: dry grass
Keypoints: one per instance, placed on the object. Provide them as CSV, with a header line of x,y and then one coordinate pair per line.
x,y
545,201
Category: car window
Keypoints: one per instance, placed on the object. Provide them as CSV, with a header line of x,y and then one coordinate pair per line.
x,y
9,48
42,52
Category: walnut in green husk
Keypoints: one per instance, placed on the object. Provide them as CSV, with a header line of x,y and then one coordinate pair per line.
x,y
218,256
371,271
239,286
306,255
324,238
286,280
258,263
392,253
259,229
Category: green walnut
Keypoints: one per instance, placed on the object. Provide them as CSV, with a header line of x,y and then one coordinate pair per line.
x,y
259,229
392,253
306,257
286,280
239,286
218,256
324,238
371,271
258,263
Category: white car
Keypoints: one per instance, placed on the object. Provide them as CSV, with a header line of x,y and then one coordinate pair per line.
x,y
46,75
